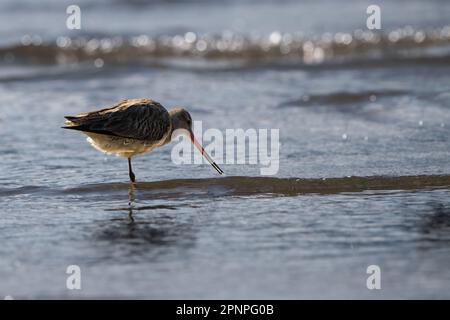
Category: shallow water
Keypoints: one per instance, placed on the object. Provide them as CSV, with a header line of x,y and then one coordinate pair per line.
x,y
364,175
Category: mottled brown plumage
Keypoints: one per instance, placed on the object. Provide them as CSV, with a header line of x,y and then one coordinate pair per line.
x,y
133,127
140,119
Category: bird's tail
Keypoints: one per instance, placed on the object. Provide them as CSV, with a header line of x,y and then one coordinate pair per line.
x,y
70,121
72,127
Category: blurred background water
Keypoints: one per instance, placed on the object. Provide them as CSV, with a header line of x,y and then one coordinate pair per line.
x,y
347,101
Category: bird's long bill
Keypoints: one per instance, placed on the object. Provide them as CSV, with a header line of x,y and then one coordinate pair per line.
x,y
204,153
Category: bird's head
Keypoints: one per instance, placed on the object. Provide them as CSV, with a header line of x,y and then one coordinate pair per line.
x,y
181,119
182,123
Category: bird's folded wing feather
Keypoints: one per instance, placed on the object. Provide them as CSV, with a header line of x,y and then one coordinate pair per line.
x,y
146,120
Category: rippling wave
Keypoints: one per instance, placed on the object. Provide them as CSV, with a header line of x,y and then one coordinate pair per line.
x,y
341,98
405,44
247,186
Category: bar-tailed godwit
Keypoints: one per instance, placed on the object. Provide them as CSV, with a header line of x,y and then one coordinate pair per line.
x,y
132,127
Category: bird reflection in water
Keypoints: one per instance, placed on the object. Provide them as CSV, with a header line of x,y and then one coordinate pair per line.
x,y
437,222
131,199
147,236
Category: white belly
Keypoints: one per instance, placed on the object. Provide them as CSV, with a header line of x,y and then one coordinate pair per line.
x,y
123,147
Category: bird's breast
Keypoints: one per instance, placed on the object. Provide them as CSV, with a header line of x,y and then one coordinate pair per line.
x,y
123,147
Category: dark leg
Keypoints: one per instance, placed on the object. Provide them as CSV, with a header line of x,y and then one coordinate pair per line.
x,y
130,171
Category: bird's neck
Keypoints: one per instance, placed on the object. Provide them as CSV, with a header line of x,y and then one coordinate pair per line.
x,y
168,138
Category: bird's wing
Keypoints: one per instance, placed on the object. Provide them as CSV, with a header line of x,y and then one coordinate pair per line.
x,y
140,119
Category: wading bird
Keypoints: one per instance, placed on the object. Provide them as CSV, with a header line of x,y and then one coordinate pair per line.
x,y
132,127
